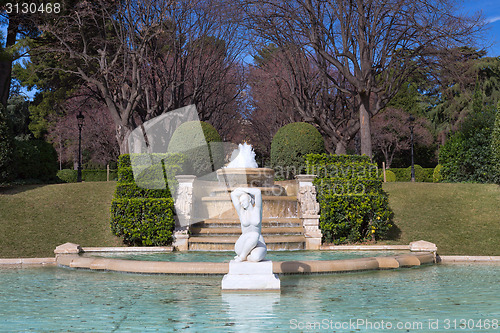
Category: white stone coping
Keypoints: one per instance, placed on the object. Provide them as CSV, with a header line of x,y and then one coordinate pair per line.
x,y
365,247
149,249
20,262
278,267
468,259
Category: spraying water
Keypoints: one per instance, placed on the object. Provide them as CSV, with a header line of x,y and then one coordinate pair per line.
x,y
243,157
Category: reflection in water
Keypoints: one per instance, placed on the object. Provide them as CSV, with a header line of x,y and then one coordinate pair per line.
x,y
247,310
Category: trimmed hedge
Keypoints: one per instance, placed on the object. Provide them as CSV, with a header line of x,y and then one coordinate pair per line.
x,y
421,174
291,144
354,207
202,152
70,175
143,221
144,215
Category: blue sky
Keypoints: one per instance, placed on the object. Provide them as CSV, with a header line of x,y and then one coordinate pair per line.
x,y
491,12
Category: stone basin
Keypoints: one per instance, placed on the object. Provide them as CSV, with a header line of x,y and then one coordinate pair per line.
x,y
254,177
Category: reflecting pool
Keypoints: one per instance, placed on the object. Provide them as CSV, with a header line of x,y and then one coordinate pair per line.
x,y
226,256
57,299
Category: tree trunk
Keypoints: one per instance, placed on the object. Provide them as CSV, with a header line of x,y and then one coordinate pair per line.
x,y
341,148
6,63
364,128
122,134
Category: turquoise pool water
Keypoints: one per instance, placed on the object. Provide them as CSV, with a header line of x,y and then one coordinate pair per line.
x,y
61,300
226,256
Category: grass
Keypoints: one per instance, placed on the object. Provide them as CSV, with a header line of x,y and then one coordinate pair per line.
x,y
461,219
34,219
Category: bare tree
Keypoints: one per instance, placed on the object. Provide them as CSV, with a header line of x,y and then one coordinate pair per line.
x,y
291,86
373,45
98,132
391,133
144,58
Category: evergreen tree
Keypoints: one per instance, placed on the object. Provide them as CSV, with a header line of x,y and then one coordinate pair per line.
x,y
6,149
495,146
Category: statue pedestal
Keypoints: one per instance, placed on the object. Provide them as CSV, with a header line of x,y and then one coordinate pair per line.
x,y
251,276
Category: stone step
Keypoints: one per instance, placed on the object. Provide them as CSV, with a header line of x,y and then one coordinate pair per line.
x,y
232,239
200,246
202,231
265,198
234,222
222,208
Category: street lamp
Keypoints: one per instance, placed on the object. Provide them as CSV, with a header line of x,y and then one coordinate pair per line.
x,y
79,118
411,119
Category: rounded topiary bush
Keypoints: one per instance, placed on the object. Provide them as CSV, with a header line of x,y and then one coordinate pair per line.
x,y
67,175
419,173
202,153
291,144
390,176
436,176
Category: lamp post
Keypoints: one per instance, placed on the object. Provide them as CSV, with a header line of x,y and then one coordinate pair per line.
x,y
411,119
79,118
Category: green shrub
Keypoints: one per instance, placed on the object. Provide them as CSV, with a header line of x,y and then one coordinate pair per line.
x,y
353,218
144,215
6,150
467,159
421,174
401,174
67,175
99,175
152,171
495,146
291,144
202,149
436,176
390,176
354,207
467,155
131,190
35,159
143,221
428,175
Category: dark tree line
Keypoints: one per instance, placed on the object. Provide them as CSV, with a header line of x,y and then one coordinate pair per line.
x,y
333,63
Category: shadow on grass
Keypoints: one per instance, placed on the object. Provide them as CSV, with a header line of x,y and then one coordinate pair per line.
x,y
394,233
16,189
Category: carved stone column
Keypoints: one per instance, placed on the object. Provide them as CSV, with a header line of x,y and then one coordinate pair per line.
x,y
184,210
309,211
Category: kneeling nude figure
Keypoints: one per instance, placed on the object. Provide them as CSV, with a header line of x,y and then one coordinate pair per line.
x,y
248,203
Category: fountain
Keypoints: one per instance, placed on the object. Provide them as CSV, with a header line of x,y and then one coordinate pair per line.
x,y
216,224
248,270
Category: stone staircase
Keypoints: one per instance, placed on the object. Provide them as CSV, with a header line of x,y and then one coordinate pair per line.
x,y
220,234
289,212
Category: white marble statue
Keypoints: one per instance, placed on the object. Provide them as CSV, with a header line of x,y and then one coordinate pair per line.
x,y
248,203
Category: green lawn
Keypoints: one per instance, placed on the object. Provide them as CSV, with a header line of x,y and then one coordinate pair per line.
x,y
459,218
34,219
